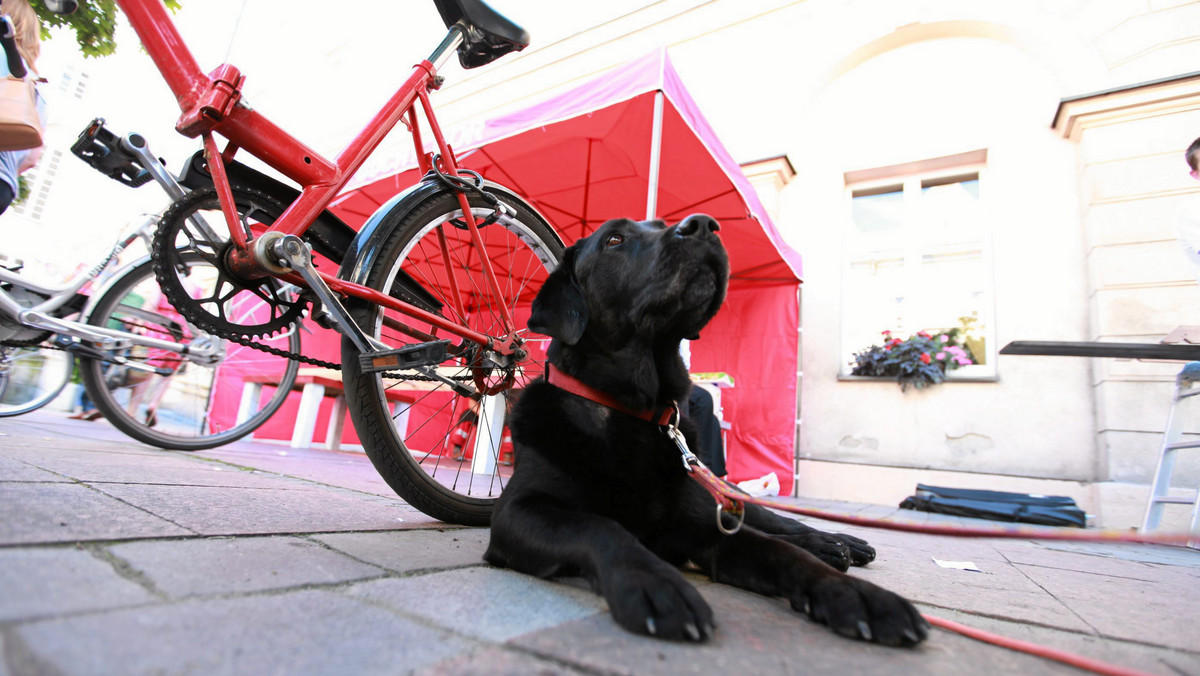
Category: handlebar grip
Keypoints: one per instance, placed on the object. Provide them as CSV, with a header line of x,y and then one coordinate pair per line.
x,y
16,67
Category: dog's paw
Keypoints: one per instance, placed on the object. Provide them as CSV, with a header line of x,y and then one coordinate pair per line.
x,y
836,549
659,603
858,609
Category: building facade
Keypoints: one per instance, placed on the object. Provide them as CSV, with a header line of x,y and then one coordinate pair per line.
x,y
954,168
1012,169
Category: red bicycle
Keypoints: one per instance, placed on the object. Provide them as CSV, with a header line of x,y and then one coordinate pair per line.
x,y
429,295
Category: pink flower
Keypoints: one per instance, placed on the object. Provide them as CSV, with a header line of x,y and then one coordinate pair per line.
x,y
944,338
940,356
887,333
925,359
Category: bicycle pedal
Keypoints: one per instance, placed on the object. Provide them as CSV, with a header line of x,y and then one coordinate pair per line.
x,y
410,356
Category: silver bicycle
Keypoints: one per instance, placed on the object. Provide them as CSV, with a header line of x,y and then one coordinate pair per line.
x,y
152,374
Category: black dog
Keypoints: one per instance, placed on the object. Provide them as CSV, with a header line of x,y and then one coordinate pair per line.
x,y
602,494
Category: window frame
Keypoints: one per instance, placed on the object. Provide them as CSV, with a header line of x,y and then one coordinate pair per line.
x,y
912,178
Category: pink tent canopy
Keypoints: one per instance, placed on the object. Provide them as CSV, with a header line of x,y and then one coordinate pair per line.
x,y
628,144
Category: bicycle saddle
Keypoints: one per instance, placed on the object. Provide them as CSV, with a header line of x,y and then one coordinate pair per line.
x,y
488,36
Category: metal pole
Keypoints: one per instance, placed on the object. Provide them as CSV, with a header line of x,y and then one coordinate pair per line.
x,y
655,156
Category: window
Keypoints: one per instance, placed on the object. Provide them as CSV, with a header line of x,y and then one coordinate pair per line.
x,y
918,258
39,179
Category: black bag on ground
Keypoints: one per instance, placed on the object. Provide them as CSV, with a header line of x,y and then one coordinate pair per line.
x,y
1046,510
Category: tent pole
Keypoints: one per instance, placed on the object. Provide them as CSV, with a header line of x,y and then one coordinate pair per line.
x,y
655,156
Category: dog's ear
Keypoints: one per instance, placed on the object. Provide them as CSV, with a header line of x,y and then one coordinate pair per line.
x,y
560,310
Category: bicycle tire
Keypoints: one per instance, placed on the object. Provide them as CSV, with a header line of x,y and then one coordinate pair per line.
x,y
34,377
419,462
189,408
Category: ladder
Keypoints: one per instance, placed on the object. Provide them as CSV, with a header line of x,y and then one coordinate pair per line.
x,y
1185,388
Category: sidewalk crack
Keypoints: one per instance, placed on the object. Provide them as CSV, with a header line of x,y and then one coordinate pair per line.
x,y
126,570
1095,632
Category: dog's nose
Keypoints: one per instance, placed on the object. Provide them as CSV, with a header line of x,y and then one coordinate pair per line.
x,y
697,224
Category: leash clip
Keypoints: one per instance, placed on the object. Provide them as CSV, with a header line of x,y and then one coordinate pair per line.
x,y
689,459
671,429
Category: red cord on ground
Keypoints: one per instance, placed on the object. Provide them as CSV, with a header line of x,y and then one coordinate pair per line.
x,y
1015,532
1067,658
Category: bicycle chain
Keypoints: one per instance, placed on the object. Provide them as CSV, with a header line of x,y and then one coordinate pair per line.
x,y
244,340
247,342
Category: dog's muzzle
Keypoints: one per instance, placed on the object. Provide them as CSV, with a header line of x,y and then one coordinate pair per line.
x,y
697,224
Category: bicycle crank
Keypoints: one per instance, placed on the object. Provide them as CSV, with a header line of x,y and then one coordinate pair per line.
x,y
289,251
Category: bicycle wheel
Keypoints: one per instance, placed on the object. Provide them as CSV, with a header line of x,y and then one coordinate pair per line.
x,y
186,403
441,448
33,377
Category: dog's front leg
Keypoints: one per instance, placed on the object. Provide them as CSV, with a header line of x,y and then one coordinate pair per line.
x,y
645,594
848,605
837,549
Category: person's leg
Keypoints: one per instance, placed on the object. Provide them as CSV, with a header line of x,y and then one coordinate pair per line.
x,y
708,428
6,196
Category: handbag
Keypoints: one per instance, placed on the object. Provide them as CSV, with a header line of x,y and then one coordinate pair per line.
x,y
20,126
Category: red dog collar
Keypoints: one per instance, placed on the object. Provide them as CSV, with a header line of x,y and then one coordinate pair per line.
x,y
728,500
565,382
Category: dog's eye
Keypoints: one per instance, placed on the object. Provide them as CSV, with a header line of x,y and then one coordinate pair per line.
x,y
614,239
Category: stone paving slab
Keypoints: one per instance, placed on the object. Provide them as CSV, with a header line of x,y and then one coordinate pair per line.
x,y
298,633
408,551
210,510
1149,658
182,568
999,591
346,469
46,430
50,582
12,469
1039,556
1146,612
307,563
1181,559
764,637
51,512
501,660
487,603
163,467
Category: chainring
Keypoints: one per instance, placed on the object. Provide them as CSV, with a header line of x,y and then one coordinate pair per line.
x,y
15,334
213,306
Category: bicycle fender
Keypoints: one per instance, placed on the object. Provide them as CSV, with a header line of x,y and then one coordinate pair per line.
x,y
328,234
365,249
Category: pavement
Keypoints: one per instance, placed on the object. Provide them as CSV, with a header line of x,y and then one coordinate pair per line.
x,y
118,558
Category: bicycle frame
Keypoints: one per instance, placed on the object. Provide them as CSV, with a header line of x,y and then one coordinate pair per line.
x,y
212,104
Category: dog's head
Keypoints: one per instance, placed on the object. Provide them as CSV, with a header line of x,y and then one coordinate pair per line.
x,y
635,280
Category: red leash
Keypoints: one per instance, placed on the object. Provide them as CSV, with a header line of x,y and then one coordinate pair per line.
x,y
732,500
1077,661
1008,532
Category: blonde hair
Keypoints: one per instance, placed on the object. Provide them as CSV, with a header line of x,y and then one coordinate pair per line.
x,y
28,29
